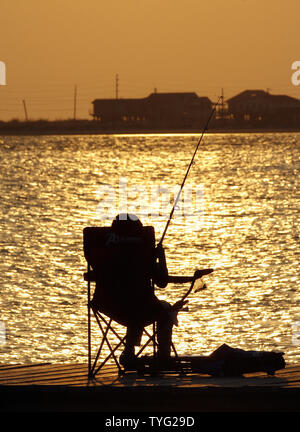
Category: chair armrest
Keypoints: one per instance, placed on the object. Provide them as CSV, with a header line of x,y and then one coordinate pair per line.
x,y
183,279
180,279
199,273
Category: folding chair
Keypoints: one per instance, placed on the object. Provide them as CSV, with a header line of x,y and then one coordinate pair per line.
x,y
101,252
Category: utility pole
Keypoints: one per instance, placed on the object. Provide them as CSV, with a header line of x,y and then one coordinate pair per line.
x,y
75,101
222,105
25,110
117,86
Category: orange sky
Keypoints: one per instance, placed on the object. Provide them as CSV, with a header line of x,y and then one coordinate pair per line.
x,y
173,45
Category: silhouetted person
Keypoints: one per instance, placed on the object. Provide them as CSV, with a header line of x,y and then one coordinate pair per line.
x,y
124,290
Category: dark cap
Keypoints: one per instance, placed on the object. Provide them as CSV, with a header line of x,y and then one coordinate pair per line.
x,y
127,223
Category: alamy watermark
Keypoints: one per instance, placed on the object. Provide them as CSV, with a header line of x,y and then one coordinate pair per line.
x,y
151,201
296,75
2,333
2,73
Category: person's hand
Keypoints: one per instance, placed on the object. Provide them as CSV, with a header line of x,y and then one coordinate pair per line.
x,y
159,247
175,309
159,250
179,305
197,274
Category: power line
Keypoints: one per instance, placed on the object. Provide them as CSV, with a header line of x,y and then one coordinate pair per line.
x,y
117,86
75,101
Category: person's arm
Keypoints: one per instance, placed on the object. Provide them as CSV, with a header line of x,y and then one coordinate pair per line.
x,y
160,276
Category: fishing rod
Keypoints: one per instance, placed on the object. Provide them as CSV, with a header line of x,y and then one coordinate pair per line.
x,y
187,172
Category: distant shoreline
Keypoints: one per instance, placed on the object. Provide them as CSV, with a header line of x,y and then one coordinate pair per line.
x,y
75,131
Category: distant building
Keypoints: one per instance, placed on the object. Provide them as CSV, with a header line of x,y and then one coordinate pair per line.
x,y
259,105
158,110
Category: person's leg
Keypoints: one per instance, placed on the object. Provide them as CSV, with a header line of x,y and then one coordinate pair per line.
x,y
133,338
165,321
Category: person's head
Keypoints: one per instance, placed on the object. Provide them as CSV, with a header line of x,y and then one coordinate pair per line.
x,y
126,223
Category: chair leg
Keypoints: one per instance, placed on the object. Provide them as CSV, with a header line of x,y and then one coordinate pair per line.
x,y
104,338
154,339
89,328
109,325
104,332
174,349
113,350
151,338
94,369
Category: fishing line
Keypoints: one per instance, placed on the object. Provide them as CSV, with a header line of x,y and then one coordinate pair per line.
x,y
188,170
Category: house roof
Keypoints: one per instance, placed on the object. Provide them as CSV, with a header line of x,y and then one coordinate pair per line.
x,y
284,99
163,97
247,95
177,97
114,100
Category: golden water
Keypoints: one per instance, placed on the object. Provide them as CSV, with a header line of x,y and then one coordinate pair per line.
x,y
244,225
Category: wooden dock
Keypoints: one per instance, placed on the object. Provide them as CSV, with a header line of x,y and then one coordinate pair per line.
x,y
66,387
